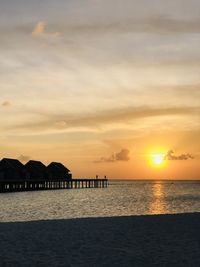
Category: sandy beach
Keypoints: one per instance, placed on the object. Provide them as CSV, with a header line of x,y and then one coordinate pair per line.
x,y
162,240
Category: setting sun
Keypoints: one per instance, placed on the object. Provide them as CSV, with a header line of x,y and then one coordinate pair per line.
x,y
158,159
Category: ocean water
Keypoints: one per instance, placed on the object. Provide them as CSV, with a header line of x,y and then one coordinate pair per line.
x,y
121,198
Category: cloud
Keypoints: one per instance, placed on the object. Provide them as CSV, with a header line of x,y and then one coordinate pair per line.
x,y
39,28
122,155
165,24
23,158
189,90
6,104
170,156
160,24
157,24
125,115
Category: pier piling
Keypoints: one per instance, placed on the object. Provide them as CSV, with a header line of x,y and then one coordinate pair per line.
x,y
16,186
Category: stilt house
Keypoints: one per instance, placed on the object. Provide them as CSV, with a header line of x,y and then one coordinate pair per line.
x,y
12,170
59,171
37,171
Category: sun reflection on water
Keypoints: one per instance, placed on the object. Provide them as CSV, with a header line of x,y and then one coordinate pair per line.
x,y
158,204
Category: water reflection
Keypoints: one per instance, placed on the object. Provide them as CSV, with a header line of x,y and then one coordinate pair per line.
x,y
158,205
121,198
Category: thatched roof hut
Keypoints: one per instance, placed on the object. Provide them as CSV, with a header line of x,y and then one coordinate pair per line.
x,y
59,171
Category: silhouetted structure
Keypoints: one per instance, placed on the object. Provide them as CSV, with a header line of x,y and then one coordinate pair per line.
x,y
37,171
34,175
12,170
58,171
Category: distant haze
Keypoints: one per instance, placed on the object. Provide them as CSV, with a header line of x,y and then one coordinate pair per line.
x,y
102,85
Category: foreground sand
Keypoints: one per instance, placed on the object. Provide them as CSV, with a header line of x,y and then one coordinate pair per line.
x,y
164,240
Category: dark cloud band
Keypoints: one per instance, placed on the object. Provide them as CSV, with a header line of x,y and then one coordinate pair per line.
x,y
122,155
170,156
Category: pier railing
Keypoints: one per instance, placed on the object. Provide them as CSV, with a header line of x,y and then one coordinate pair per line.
x,y
15,186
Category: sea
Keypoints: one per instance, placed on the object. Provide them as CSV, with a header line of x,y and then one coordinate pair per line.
x,y
121,198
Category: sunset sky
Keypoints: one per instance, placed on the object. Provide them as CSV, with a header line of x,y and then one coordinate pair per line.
x,y
103,86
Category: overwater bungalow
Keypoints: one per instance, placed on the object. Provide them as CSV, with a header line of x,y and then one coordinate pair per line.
x,y
37,171
59,172
34,175
12,170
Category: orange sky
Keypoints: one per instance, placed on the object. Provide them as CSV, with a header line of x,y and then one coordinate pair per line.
x,y
102,91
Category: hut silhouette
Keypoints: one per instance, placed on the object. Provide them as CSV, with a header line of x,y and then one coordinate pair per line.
x,y
34,175
58,171
37,170
12,170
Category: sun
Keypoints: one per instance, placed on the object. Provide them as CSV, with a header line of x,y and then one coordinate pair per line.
x,y
158,159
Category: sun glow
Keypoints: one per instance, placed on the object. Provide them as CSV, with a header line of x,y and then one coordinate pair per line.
x,y
158,159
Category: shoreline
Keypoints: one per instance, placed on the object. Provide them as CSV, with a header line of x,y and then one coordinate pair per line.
x,y
147,240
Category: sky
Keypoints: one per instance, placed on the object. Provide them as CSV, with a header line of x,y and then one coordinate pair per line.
x,y
103,86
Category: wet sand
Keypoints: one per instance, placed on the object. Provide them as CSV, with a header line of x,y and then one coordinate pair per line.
x,y
162,240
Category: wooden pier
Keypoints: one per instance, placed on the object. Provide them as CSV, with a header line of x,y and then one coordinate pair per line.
x,y
16,186
34,175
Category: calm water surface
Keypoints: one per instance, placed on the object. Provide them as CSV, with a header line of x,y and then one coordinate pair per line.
x,y
119,199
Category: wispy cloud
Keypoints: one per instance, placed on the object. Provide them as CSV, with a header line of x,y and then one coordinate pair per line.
x,y
40,30
122,155
159,24
171,156
126,115
189,90
6,103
